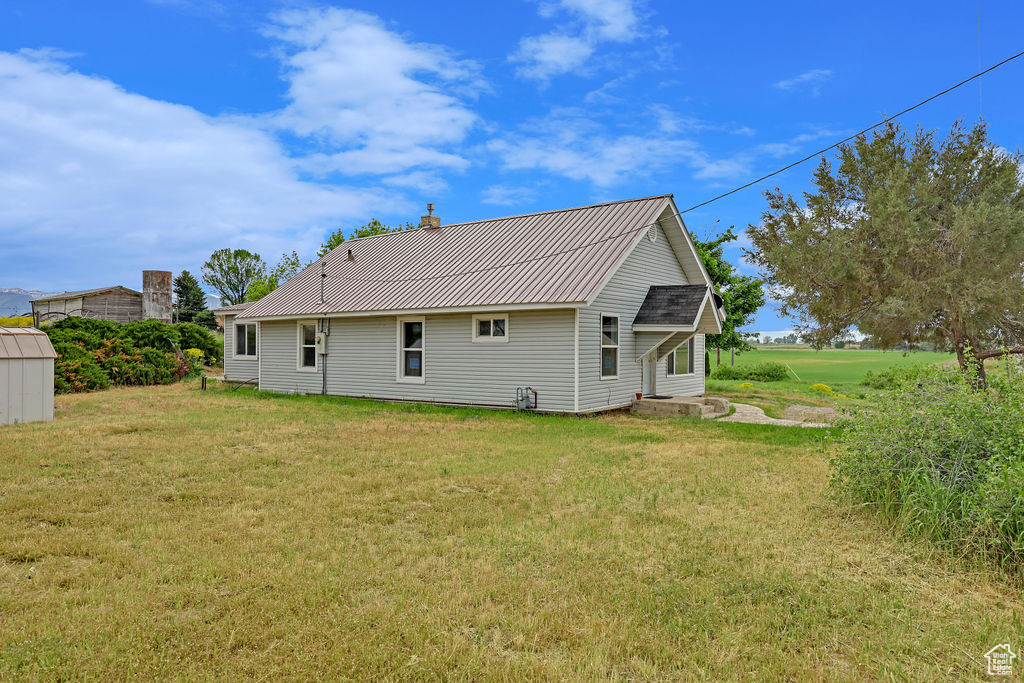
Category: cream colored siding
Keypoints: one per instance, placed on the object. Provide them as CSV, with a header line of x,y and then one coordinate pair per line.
x,y
650,263
363,360
238,368
685,385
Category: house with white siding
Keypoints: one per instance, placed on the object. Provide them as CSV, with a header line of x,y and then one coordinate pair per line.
x,y
569,311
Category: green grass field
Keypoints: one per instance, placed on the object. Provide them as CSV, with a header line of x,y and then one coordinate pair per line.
x,y
167,533
834,365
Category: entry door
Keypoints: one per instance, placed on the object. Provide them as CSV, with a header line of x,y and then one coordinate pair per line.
x,y
648,367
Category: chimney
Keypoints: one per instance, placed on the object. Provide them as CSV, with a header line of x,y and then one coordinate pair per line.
x,y
156,295
430,220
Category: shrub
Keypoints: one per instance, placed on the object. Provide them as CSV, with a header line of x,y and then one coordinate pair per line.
x,y
81,373
769,371
822,389
192,336
892,377
746,385
151,334
943,460
195,361
104,329
206,319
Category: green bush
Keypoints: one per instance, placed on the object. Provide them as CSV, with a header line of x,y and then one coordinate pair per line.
x,y
151,334
81,373
943,460
892,377
95,354
768,371
192,336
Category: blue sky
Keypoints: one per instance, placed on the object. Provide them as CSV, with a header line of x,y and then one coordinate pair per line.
x,y
147,134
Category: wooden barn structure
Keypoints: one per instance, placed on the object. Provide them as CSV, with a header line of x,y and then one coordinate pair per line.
x,y
116,303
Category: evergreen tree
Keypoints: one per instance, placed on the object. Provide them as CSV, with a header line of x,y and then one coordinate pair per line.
x,y
191,298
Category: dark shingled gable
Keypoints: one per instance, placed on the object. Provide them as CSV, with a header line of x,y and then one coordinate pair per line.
x,y
671,305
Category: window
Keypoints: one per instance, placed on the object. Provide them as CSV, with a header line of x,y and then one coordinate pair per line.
x,y
680,361
609,346
490,328
410,349
307,346
245,339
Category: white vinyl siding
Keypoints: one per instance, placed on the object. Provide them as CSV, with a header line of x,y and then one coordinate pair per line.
x,y
238,368
362,354
650,263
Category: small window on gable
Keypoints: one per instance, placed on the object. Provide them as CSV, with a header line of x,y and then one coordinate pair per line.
x,y
680,361
490,328
245,339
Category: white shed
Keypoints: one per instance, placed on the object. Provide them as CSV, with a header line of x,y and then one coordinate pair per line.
x,y
26,375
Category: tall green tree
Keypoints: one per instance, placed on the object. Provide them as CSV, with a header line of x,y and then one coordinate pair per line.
x,y
909,238
742,295
289,266
231,272
190,297
374,227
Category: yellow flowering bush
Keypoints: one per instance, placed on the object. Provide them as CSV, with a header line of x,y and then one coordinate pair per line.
x,y
747,385
822,389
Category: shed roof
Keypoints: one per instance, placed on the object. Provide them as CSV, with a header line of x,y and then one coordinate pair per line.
x,y
84,292
552,257
25,342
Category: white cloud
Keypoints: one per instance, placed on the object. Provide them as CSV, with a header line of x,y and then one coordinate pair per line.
x,y
569,144
102,182
809,80
378,102
505,195
567,48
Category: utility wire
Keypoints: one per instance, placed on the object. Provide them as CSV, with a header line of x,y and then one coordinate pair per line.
x,y
695,206
855,135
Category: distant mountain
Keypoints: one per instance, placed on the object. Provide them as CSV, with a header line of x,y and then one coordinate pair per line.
x,y
16,301
212,301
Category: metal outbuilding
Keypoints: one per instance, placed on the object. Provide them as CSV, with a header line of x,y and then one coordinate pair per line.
x,y
26,375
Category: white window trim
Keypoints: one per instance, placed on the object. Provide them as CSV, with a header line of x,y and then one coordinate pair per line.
x,y
298,354
617,346
692,344
399,364
234,342
477,339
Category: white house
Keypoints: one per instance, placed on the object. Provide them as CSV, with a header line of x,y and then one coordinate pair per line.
x,y
587,307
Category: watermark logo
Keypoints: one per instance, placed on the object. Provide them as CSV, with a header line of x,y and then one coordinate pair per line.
x,y
1000,660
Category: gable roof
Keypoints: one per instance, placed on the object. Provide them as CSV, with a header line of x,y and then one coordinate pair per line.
x,y
547,258
671,305
84,292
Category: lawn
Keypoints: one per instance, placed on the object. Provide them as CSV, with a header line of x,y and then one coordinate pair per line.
x,y
165,532
834,365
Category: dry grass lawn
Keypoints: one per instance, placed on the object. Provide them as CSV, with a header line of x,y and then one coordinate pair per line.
x,y
166,532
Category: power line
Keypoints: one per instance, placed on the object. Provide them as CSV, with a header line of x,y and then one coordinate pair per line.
x,y
695,206
855,135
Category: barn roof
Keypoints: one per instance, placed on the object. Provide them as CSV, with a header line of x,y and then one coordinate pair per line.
x,y
25,342
552,257
84,292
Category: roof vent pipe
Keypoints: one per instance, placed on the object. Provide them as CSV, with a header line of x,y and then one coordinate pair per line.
x,y
323,278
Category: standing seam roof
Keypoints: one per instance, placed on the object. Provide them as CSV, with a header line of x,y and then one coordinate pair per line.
x,y
551,257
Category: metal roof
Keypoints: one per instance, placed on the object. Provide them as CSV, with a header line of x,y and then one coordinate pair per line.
x,y
671,305
25,342
234,308
551,257
83,292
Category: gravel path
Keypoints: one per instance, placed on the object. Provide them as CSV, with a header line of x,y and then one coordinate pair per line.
x,y
754,415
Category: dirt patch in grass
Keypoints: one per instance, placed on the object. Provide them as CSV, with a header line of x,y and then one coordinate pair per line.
x,y
243,535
